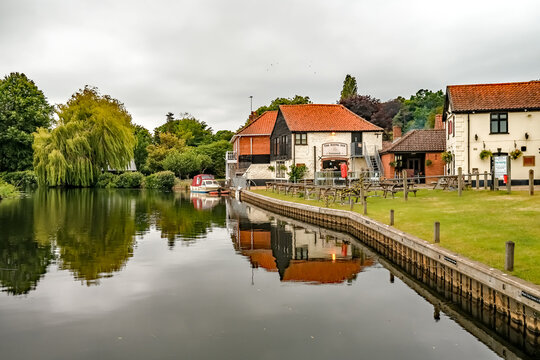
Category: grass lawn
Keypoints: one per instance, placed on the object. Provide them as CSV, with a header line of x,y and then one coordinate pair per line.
x,y
477,225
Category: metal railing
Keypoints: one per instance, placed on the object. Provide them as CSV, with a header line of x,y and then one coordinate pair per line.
x,y
231,156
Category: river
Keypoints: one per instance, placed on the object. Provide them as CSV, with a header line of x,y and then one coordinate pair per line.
x,y
121,274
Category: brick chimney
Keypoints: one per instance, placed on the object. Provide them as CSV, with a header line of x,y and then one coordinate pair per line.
x,y
396,130
438,122
252,117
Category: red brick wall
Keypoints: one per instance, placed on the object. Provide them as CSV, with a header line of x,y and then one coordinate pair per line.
x,y
386,159
261,145
437,166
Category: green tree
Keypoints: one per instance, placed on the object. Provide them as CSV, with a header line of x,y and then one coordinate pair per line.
x,y
185,163
349,87
193,131
143,138
23,108
216,152
157,152
223,135
419,111
94,133
274,105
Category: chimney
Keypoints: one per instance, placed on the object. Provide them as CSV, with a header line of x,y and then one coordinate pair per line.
x,y
438,122
252,117
396,131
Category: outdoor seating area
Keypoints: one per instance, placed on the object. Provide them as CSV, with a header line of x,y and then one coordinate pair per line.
x,y
353,193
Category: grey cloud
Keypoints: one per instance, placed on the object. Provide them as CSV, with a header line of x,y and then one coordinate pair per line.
x,y
207,57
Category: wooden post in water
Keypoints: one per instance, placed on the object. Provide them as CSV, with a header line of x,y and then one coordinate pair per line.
x,y
437,232
485,180
392,217
459,180
405,194
477,180
508,175
531,182
509,258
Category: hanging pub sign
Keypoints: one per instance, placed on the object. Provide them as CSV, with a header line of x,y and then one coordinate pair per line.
x,y
334,149
500,165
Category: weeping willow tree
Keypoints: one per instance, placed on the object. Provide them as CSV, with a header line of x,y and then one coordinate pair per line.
x,y
93,133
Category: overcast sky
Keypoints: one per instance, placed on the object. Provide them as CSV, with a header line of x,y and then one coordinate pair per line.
x,y
206,57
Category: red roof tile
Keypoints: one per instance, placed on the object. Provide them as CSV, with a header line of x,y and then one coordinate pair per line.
x,y
487,97
263,125
324,117
428,140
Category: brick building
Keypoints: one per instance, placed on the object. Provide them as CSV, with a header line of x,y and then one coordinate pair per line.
x,y
418,152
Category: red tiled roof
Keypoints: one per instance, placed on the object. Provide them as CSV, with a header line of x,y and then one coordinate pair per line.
x,y
428,140
487,97
324,117
263,125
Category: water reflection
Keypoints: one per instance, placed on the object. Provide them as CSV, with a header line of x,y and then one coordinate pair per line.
x,y
90,233
300,253
23,261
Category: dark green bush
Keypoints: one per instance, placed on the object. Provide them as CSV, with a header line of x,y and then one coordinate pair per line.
x,y
20,179
163,180
129,180
106,180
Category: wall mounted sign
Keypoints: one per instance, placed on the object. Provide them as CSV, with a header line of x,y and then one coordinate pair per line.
x,y
335,149
500,165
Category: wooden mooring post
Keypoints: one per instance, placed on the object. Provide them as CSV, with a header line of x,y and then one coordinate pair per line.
x,y
392,217
460,180
509,258
531,182
405,194
437,232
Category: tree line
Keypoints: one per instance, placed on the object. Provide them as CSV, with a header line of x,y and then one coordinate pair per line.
x,y
71,144
416,112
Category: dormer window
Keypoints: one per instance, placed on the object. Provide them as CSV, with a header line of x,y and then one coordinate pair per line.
x,y
499,123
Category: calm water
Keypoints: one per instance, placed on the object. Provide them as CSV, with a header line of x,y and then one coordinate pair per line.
x,y
89,274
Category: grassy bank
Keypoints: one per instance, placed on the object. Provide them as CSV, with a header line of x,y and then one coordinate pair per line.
x,y
476,225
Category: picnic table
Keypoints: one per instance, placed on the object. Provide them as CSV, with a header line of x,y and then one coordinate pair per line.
x,y
450,182
394,185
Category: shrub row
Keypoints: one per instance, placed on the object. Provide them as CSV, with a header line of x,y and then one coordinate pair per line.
x,y
7,190
20,179
163,180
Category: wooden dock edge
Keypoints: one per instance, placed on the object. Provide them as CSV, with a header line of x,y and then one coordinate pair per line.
x,y
518,299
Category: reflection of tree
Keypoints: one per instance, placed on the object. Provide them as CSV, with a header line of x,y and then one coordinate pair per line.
x,y
22,260
175,217
93,229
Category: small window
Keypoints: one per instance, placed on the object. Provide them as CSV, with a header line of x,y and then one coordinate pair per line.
x,y
300,139
499,123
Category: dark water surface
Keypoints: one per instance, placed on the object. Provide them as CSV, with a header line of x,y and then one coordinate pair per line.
x,y
98,274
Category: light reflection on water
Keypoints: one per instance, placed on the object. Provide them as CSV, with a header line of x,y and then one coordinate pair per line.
x,y
169,276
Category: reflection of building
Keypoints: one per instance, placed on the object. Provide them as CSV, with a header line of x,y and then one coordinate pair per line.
x,y
297,253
